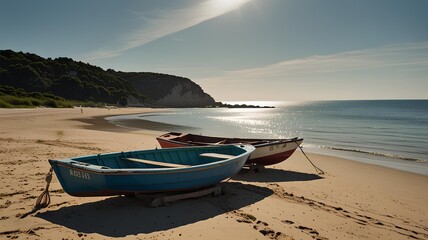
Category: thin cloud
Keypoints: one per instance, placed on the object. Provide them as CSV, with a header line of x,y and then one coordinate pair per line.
x,y
390,56
162,23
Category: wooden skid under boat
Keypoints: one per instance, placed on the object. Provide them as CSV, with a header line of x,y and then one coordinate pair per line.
x,y
149,171
268,151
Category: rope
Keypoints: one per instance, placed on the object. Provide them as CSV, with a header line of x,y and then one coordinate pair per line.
x,y
44,199
316,168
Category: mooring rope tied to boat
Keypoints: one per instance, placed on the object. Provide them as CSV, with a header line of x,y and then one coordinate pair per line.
x,y
319,170
44,199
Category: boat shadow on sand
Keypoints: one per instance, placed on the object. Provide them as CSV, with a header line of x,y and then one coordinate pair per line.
x,y
274,175
123,216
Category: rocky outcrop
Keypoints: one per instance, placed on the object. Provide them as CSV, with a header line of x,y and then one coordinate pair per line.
x,y
169,91
132,101
186,95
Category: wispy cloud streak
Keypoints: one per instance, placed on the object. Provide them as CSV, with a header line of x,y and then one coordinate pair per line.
x,y
390,56
162,23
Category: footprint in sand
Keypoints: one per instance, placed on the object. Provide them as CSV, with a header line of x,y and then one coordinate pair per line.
x,y
260,226
312,232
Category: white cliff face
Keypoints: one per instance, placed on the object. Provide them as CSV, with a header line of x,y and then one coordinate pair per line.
x,y
135,102
182,95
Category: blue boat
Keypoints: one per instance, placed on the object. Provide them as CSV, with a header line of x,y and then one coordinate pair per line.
x,y
150,171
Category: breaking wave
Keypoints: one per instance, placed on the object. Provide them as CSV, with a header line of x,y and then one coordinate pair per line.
x,y
378,154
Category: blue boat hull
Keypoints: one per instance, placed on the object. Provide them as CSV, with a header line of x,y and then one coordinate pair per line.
x,y
85,176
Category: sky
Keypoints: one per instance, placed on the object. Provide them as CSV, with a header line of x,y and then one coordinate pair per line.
x,y
239,50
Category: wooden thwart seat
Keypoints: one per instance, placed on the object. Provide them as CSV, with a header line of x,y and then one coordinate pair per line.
x,y
161,164
216,155
220,142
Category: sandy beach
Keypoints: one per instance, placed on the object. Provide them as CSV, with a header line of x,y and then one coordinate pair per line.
x,y
352,200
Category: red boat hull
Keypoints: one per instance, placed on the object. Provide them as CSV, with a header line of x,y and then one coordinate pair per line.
x,y
271,159
169,144
270,153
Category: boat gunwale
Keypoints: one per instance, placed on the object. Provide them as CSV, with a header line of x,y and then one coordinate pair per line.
x,y
269,142
280,141
68,163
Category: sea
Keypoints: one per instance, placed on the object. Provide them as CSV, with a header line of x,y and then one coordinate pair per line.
x,y
390,133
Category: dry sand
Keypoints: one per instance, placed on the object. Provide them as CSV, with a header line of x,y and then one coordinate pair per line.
x,y
287,201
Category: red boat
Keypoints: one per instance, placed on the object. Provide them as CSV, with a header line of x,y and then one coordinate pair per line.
x,y
268,151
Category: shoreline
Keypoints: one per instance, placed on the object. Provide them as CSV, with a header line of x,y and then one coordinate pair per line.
x,y
287,200
420,168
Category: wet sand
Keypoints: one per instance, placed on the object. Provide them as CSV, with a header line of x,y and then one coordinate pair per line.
x,y
290,200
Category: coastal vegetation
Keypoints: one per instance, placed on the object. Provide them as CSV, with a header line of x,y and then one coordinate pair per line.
x,y
28,80
11,97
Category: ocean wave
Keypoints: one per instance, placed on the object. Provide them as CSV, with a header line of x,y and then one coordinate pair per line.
x,y
378,154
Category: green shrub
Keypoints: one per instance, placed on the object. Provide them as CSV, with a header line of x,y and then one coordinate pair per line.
x,y
36,102
4,104
51,103
18,101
